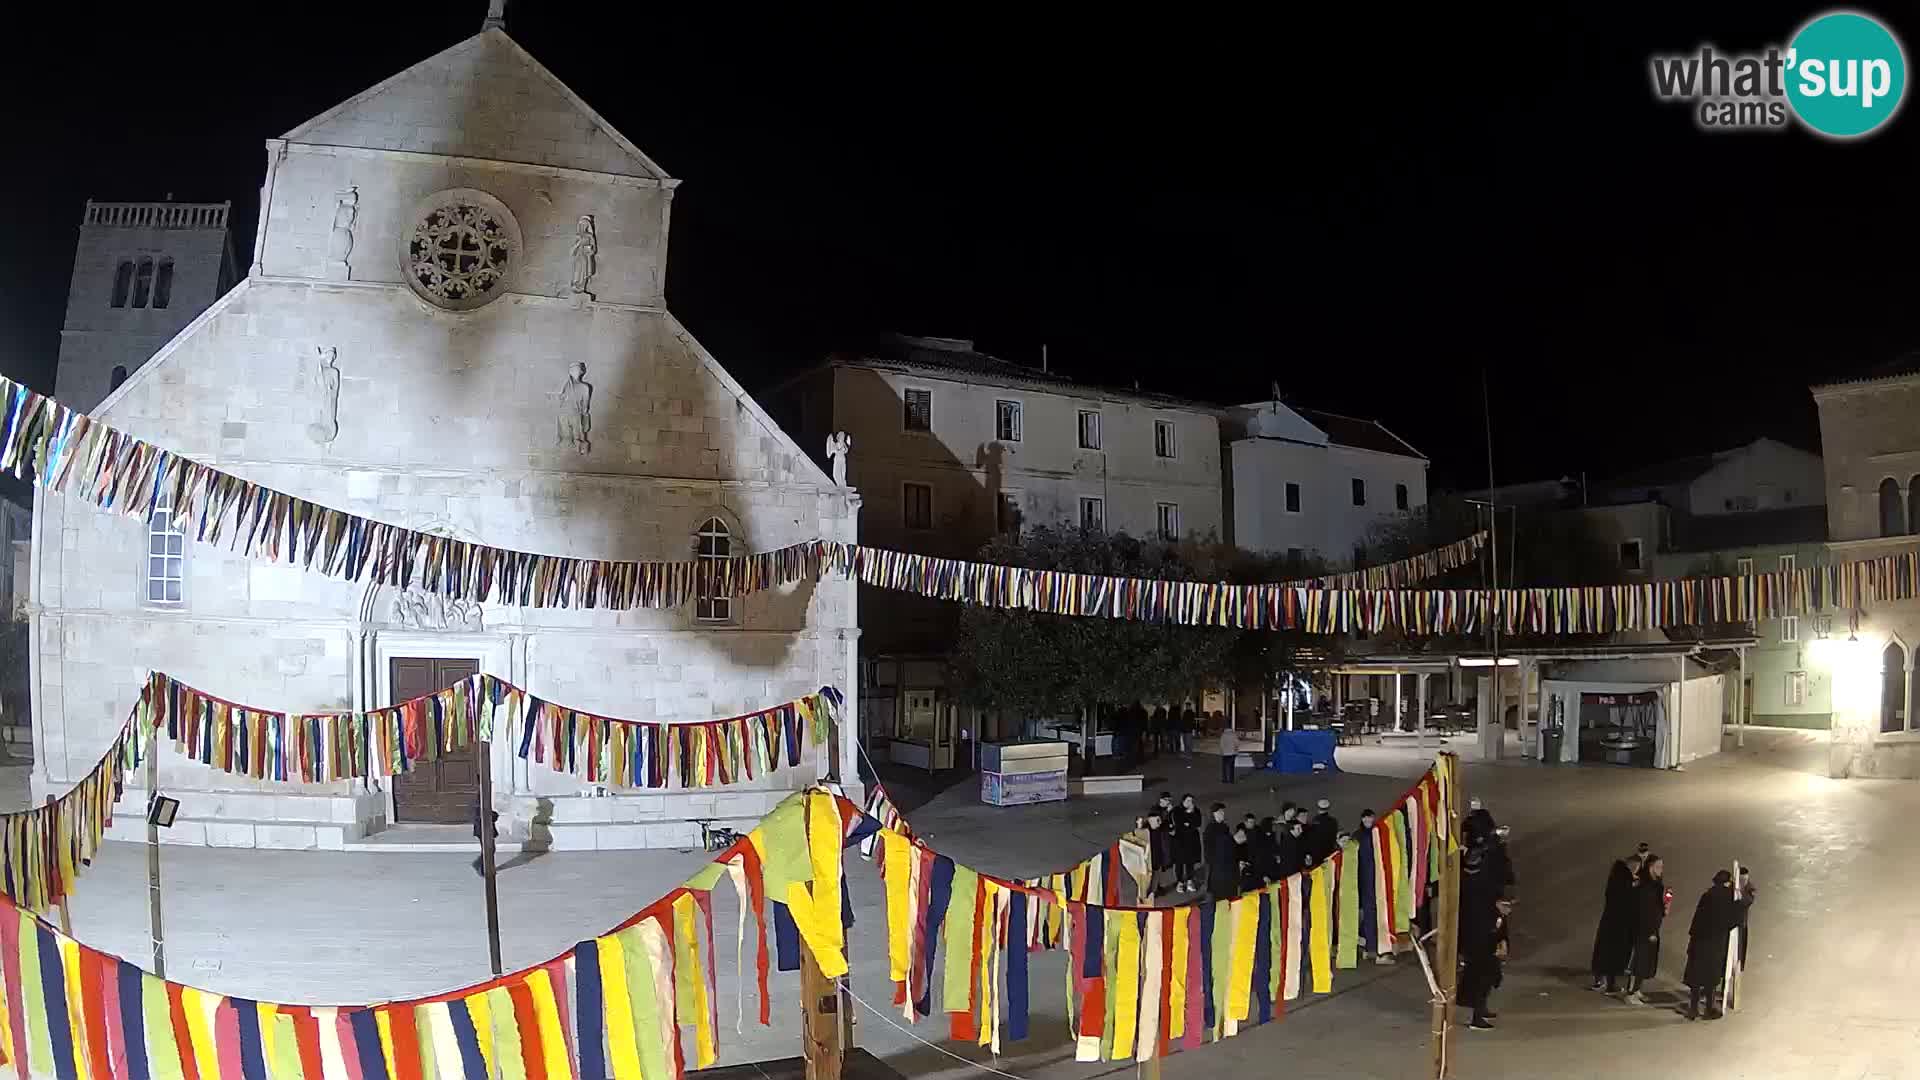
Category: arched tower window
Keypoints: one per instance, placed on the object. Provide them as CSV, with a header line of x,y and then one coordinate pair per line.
x,y
713,544
1893,687
142,282
1893,517
122,282
163,284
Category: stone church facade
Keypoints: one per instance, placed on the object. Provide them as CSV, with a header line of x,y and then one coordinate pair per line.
x,y
454,320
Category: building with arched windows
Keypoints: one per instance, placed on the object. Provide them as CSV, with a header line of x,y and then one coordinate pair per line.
x,y
529,390
141,272
1870,433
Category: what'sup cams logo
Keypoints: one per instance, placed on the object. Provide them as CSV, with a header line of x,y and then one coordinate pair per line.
x,y
1842,76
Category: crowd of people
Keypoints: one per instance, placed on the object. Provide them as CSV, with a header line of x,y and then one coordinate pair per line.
x,y
1213,853
1140,733
1626,944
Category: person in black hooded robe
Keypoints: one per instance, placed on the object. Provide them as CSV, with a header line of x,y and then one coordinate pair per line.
x,y
1709,936
1223,860
1613,939
1649,911
1187,821
1482,922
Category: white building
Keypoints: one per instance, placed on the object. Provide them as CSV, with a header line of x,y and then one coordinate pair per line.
x,y
1763,475
450,269
1314,482
952,446
1870,440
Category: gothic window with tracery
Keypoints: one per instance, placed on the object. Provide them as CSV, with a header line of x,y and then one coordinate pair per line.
x,y
460,250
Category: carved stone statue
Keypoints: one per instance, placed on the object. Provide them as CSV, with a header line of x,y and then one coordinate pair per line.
x,y
346,207
415,609
839,445
576,410
586,246
326,384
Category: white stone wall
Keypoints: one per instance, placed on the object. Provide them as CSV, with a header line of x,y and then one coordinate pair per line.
x,y
968,466
447,421
1327,522
1774,476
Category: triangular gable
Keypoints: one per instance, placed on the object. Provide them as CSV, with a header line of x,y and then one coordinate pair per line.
x,y
806,469
487,98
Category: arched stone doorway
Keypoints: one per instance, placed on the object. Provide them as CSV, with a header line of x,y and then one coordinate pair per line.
x,y
1893,687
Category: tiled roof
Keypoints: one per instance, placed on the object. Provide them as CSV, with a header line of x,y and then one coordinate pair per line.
x,y
1358,433
957,358
1907,363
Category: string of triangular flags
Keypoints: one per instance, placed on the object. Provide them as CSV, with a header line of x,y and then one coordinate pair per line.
x,y
1145,980
43,848
1142,981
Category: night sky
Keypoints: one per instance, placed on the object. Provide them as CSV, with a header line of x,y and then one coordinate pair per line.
x,y
1370,207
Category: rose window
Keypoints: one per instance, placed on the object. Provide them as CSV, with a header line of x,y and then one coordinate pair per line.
x,y
460,250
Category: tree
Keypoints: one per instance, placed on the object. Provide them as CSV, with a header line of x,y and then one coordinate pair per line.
x,y
1034,664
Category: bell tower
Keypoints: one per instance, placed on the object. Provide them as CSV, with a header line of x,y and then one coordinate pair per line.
x,y
141,272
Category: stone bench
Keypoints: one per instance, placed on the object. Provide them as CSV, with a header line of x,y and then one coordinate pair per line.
x,y
1106,785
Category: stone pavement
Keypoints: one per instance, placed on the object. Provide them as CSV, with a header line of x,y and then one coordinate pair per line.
x,y
1835,967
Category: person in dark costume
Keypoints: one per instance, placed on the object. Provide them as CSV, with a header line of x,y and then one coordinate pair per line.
x,y
1156,731
1714,919
1186,822
1613,939
1649,911
1323,833
1750,893
1290,847
1364,832
1223,862
1159,855
1243,850
1260,853
1482,926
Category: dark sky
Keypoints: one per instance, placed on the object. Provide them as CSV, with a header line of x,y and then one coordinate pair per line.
x,y
1371,207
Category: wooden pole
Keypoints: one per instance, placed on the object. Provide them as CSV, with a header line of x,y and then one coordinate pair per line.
x,y
1446,921
488,866
820,1019
53,860
154,925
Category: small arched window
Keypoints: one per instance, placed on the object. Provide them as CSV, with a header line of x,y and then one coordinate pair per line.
x,y
163,284
119,376
122,282
713,545
142,282
1893,688
1893,517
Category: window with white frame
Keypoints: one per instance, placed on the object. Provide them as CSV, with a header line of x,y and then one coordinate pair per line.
x,y
713,546
1093,513
918,415
166,556
1743,567
1788,564
1006,421
1796,691
1089,429
1790,629
1163,441
917,503
1167,517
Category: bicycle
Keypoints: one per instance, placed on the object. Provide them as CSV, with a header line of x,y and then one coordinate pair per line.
x,y
716,838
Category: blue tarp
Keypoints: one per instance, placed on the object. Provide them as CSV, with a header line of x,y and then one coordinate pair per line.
x,y
1300,751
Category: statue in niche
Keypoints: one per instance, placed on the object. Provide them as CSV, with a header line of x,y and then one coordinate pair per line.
x,y
576,410
839,445
586,246
346,207
326,383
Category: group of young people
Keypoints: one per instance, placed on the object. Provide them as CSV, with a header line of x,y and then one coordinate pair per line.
x,y
1627,941
1140,733
1191,852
